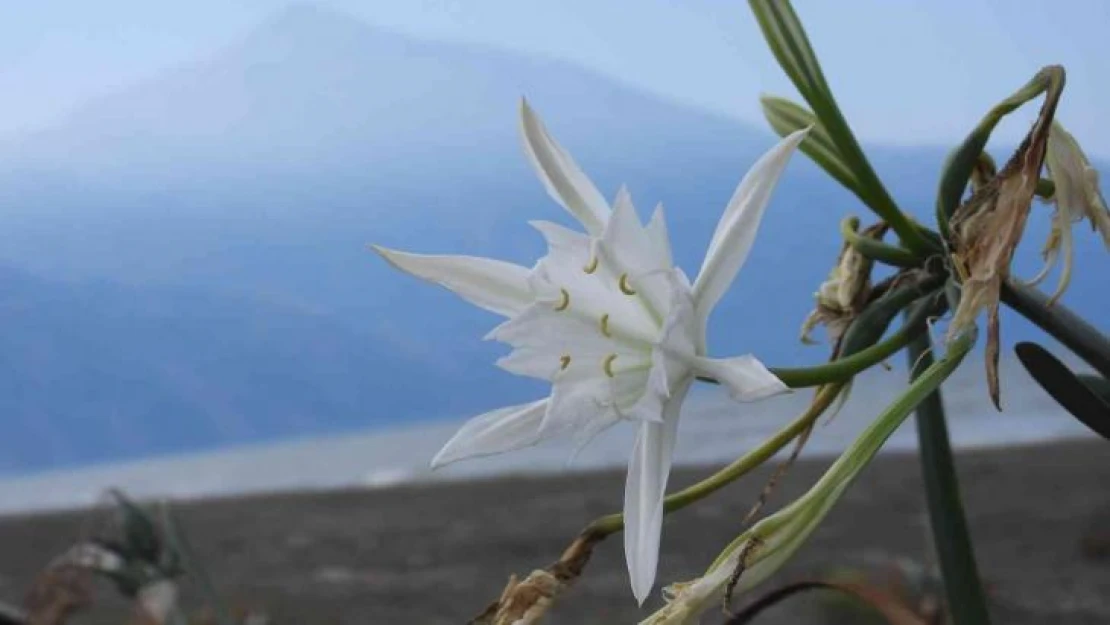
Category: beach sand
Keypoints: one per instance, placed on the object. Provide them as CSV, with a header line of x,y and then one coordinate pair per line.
x,y
438,553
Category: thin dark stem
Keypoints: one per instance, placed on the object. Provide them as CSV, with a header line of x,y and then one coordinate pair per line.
x,y
1063,324
966,601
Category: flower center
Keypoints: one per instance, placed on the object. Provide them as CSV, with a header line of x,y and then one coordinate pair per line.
x,y
608,330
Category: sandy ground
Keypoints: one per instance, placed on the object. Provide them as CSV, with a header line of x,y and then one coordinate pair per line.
x,y
438,553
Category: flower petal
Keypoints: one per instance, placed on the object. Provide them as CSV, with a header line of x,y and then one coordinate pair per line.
x,y
645,488
561,176
745,377
660,239
737,228
501,430
629,248
494,285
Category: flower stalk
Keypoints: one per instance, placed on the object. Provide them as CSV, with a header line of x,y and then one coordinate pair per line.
x,y
951,539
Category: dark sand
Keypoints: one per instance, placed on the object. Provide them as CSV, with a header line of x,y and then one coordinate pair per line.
x,y
438,553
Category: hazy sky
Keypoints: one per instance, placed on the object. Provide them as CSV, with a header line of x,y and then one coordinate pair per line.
x,y
905,71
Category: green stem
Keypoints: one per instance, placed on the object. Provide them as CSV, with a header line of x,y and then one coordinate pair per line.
x,y
1063,324
875,249
872,322
824,398
952,542
780,25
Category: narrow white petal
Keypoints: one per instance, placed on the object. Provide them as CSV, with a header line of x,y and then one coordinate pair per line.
x,y
644,491
738,225
561,176
745,377
494,285
660,239
498,431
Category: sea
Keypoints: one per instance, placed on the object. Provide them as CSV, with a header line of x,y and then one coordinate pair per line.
x,y
713,430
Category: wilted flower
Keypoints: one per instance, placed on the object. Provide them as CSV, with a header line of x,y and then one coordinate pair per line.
x,y
843,295
1077,196
608,319
985,233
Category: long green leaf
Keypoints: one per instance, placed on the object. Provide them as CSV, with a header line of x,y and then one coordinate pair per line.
x,y
786,117
788,42
1072,393
966,601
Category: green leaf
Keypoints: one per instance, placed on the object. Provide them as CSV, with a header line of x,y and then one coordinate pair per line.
x,y
140,535
951,539
1074,394
787,117
788,42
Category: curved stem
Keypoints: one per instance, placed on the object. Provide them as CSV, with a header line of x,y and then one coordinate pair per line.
x,y
844,368
741,466
875,249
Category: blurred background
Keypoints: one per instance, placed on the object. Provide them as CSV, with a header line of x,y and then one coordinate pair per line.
x,y
187,192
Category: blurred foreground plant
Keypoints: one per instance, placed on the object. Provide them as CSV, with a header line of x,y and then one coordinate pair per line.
x,y
142,553
621,333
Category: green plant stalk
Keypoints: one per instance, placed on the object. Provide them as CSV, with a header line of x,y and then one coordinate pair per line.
x,y
962,160
779,23
787,117
782,533
193,568
861,349
824,398
1061,323
874,249
963,590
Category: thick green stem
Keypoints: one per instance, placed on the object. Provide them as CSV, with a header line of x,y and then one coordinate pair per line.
x,y
966,601
875,249
1063,324
860,347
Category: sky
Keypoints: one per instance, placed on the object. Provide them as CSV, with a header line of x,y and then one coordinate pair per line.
x,y
906,72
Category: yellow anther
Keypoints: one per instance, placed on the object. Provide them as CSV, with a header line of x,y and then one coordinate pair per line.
x,y
592,267
564,300
564,362
625,288
605,325
608,365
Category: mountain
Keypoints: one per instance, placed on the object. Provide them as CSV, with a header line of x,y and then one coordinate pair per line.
x,y
236,195
96,371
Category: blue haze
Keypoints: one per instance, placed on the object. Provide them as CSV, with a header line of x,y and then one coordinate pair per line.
x,y
186,262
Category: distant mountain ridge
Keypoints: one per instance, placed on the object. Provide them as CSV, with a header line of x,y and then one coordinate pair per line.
x,y
226,205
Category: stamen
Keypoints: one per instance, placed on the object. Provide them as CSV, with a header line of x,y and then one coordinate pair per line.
x,y
625,288
608,365
564,362
605,325
564,302
592,267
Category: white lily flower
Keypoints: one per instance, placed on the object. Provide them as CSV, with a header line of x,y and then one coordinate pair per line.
x,y
608,319
1077,196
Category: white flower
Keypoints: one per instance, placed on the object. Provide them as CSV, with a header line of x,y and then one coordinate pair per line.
x,y
1077,196
608,319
